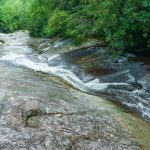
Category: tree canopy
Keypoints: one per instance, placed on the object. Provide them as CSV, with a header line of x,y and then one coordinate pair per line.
x,y
121,24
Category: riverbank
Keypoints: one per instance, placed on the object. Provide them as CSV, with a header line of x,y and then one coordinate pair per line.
x,y
68,118
39,111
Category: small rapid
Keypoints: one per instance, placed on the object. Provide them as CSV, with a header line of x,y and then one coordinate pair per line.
x,y
91,70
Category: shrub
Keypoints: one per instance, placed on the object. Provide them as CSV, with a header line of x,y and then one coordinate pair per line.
x,y
123,24
58,22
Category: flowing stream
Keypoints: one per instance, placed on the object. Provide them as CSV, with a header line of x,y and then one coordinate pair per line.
x,y
43,106
92,70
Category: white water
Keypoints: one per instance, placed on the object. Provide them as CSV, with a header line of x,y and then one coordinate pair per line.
x,y
15,51
37,63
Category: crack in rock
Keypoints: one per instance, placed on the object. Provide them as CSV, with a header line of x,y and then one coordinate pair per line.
x,y
26,115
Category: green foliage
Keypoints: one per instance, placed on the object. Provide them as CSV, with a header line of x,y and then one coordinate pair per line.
x,y
38,17
121,24
58,22
12,15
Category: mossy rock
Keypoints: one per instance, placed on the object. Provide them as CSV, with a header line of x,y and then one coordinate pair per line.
x,y
2,42
33,122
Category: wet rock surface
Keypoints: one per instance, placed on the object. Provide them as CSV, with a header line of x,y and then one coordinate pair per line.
x,y
122,80
39,111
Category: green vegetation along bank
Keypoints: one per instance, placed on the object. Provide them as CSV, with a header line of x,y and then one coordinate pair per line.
x,y
121,24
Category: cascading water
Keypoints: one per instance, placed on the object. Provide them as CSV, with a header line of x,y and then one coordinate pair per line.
x,y
91,70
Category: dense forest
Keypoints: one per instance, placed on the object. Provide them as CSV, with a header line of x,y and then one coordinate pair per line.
x,y
121,24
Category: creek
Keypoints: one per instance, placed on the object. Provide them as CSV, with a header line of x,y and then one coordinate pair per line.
x,y
124,80
51,96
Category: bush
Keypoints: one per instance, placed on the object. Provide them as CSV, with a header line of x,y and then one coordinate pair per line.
x,y
121,24
58,22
